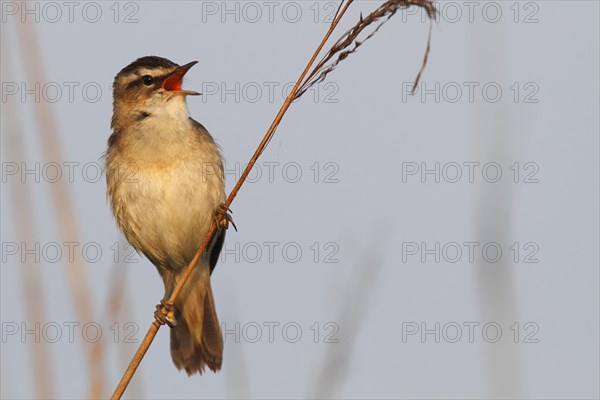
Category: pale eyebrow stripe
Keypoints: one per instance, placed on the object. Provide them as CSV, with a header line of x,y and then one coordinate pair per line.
x,y
155,72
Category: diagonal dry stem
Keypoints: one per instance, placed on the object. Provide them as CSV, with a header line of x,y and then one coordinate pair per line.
x,y
388,9
147,341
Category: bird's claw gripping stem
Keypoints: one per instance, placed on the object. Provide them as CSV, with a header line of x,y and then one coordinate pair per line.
x,y
226,219
165,314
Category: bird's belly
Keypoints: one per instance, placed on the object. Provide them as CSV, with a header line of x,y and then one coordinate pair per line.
x,y
166,212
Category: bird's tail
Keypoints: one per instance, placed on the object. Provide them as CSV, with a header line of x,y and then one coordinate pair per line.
x,y
196,340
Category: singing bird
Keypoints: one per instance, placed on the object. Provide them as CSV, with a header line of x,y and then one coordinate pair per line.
x,y
165,184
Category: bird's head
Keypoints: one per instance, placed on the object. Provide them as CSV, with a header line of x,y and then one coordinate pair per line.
x,y
149,85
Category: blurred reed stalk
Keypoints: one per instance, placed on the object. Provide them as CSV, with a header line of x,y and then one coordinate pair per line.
x,y
334,368
31,278
493,136
118,308
61,199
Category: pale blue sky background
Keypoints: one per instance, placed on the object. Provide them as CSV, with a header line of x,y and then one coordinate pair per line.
x,y
356,143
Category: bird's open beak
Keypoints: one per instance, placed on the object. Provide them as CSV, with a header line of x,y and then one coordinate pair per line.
x,y
173,81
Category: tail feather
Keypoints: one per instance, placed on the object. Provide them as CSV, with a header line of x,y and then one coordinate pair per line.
x,y
212,340
196,340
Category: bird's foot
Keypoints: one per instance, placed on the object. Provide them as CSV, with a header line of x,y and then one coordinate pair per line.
x,y
226,218
165,314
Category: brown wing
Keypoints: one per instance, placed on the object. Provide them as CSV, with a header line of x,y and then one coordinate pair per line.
x,y
218,241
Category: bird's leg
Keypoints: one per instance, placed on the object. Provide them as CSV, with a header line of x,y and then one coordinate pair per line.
x,y
165,311
226,219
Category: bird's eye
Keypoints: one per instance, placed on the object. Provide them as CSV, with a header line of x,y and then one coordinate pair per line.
x,y
147,80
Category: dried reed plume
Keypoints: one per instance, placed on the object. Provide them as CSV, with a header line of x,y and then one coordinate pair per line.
x,y
342,48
